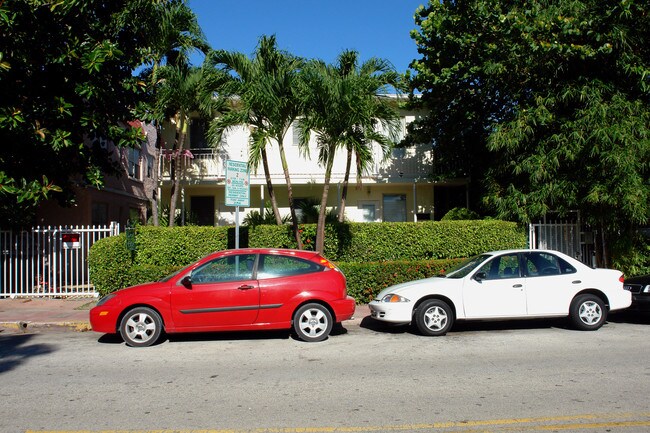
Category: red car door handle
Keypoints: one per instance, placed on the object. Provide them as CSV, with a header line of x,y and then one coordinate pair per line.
x,y
246,287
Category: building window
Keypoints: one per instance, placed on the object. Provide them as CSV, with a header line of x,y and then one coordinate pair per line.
x,y
394,207
295,132
368,212
134,163
149,166
399,152
198,130
99,214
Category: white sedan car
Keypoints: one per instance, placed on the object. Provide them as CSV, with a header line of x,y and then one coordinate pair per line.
x,y
514,284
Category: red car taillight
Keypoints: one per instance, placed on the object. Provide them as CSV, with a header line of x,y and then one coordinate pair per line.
x,y
621,278
327,263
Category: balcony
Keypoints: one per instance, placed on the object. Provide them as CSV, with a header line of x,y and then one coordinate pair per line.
x,y
403,166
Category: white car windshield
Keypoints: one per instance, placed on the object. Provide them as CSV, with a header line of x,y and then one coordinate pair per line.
x,y
467,266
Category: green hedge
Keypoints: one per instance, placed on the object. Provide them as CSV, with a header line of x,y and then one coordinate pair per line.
x,y
372,255
364,242
110,264
159,251
177,246
365,280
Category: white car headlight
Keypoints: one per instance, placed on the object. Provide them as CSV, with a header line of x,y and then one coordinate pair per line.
x,y
394,298
646,289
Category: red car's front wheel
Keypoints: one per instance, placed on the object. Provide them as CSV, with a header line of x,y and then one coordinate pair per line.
x,y
141,327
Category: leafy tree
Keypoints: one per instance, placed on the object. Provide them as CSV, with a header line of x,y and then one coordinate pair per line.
x,y
66,78
346,107
553,99
266,100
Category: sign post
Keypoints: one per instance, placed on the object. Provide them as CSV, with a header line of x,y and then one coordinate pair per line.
x,y
238,190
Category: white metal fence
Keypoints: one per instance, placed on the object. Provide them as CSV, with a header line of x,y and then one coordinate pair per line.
x,y
49,261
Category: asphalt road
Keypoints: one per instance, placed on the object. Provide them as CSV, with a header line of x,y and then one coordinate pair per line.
x,y
482,377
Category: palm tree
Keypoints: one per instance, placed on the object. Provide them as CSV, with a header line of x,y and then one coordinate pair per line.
x,y
181,91
175,34
263,96
345,107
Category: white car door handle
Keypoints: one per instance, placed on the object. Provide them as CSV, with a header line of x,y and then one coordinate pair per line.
x,y
576,282
517,286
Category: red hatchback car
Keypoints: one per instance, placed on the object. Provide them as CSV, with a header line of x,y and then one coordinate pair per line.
x,y
232,290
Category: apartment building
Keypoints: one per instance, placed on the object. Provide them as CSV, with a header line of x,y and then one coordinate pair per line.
x,y
399,188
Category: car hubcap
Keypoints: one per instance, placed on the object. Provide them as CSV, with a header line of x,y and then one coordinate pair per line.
x,y
313,323
590,313
435,318
140,327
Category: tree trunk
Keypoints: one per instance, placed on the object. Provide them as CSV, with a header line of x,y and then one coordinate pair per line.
x,y
176,181
322,213
294,218
155,198
605,245
344,192
175,186
269,187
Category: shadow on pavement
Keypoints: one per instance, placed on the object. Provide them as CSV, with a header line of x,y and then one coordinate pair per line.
x,y
284,334
16,349
630,315
470,326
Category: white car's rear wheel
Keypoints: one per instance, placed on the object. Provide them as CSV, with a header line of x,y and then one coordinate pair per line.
x,y
588,312
434,317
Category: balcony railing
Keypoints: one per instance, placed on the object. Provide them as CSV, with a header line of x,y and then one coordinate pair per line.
x,y
407,165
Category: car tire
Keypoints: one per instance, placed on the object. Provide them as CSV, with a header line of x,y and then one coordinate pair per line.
x,y
588,312
434,317
141,327
312,322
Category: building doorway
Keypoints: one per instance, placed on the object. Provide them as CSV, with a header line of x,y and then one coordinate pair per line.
x,y
202,210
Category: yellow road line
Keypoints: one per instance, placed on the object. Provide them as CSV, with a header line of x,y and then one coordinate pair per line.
x,y
483,426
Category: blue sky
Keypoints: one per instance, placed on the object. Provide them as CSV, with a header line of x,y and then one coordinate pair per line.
x,y
313,29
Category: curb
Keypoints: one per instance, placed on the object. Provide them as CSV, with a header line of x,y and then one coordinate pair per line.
x,y
40,326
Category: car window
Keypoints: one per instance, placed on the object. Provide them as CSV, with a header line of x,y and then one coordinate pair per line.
x,y
466,267
274,266
501,267
224,269
545,264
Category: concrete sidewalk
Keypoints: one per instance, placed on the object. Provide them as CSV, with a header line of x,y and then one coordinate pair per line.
x,y
42,313
37,314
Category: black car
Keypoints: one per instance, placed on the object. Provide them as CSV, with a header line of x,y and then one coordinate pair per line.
x,y
640,289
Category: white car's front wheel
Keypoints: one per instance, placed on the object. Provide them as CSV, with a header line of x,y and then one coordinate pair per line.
x,y
434,317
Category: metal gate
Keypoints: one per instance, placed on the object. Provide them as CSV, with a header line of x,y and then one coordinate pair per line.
x,y
49,261
562,235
